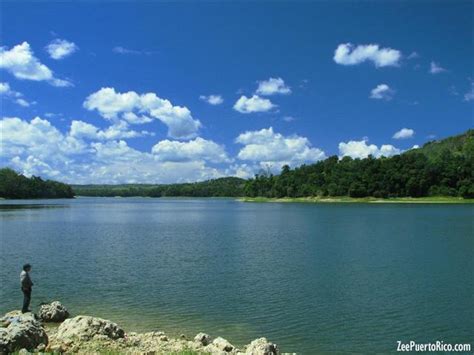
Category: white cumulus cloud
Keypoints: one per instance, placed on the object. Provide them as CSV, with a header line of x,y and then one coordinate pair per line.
x,y
273,86
268,148
60,48
111,104
87,154
349,54
38,138
360,149
253,104
212,99
382,92
118,130
197,149
21,63
404,133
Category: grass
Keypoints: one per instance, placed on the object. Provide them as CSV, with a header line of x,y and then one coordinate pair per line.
x,y
346,199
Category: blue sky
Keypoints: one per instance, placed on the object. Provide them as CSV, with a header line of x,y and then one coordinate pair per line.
x,y
121,91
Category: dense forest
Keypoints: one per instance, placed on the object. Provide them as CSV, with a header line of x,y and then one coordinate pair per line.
x,y
439,168
223,187
17,186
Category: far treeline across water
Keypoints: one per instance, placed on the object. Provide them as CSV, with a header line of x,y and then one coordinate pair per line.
x,y
16,186
439,168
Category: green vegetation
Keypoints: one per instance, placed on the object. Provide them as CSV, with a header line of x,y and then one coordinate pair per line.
x,y
440,168
443,168
223,187
346,199
17,186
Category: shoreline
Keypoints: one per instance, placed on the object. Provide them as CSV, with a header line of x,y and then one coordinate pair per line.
x,y
53,330
342,199
366,200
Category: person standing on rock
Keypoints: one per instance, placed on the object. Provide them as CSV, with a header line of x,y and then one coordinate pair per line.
x,y
26,285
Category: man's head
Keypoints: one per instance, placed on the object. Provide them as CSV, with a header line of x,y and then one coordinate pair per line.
x,y
26,267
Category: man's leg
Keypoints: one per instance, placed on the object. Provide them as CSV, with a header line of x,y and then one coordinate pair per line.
x,y
26,301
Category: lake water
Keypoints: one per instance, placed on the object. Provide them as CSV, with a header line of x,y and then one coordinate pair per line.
x,y
310,277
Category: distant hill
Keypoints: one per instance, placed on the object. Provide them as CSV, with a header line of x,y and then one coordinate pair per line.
x,y
460,145
16,186
439,168
222,187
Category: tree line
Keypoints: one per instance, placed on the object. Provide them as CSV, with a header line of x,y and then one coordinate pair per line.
x,y
406,175
222,187
439,168
16,186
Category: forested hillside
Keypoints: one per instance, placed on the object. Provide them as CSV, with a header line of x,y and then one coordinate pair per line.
x,y
223,187
439,168
17,186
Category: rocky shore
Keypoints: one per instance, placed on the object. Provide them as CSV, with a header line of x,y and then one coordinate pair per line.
x,y
30,333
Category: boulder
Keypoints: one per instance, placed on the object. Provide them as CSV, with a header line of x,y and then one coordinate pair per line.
x,y
53,312
4,341
261,346
21,331
203,339
222,345
85,328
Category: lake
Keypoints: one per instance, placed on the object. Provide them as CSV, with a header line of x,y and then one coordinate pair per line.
x,y
309,277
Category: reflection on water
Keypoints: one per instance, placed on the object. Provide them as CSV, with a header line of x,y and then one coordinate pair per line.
x,y
346,278
17,206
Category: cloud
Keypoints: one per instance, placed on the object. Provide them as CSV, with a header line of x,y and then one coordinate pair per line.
x,y
267,148
212,99
197,149
360,149
382,92
469,96
81,129
52,115
123,50
21,63
253,104
243,171
133,118
37,138
60,48
118,130
83,155
272,86
413,55
15,96
289,118
5,89
435,68
348,54
404,133
22,102
111,104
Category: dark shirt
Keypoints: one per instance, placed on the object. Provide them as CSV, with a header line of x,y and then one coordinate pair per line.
x,y
25,280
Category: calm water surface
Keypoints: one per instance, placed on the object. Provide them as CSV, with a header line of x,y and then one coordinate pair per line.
x,y
310,277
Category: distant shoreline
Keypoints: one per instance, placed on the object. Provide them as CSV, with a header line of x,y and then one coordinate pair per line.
x,y
342,199
407,200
